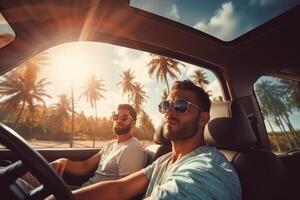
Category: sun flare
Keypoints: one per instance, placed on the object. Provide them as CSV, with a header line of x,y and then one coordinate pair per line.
x,y
74,64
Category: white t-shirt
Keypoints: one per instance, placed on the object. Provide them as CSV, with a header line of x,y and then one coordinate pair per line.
x,y
119,160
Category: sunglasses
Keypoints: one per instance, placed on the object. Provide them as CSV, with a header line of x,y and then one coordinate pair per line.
x,y
123,118
180,106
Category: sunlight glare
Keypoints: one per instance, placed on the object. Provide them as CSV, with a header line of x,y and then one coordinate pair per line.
x,y
74,64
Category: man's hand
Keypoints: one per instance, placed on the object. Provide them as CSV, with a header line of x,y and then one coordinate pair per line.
x,y
59,165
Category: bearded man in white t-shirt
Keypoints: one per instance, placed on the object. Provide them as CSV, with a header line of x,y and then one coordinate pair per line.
x,y
115,160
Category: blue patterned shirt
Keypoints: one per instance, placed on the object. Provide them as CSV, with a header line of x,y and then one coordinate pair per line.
x,y
204,173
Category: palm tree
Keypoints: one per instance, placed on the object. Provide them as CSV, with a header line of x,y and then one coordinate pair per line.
x,y
73,116
292,92
289,93
266,116
22,87
284,102
127,83
164,66
200,79
61,115
24,90
146,127
271,97
63,108
93,93
139,97
165,95
81,123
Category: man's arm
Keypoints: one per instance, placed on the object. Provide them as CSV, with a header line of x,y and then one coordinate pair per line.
x,y
76,167
125,188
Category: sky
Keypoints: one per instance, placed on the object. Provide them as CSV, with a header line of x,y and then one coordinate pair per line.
x,y
225,20
72,63
5,29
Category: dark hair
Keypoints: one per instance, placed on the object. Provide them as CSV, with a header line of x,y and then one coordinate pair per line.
x,y
203,98
128,107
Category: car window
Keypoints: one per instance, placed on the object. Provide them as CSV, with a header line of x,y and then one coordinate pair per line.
x,y
65,96
225,20
279,101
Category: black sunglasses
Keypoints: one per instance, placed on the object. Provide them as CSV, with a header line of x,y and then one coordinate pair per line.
x,y
123,118
180,106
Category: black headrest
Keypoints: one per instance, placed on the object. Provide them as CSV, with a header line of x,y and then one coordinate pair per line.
x,y
229,127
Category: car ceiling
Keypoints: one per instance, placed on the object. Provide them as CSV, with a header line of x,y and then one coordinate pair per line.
x,y
272,48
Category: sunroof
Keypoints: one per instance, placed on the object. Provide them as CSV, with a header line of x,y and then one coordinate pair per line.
x,y
7,35
225,20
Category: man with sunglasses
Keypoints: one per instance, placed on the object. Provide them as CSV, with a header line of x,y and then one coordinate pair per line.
x,y
192,170
116,159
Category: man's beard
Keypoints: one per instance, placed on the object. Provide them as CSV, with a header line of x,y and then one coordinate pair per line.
x,y
187,130
122,130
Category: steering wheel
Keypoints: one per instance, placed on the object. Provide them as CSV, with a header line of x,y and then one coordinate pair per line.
x,y
30,160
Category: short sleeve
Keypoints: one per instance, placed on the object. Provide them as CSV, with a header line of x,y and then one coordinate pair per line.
x,y
148,171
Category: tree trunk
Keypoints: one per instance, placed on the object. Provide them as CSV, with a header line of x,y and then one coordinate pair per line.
x,y
166,79
280,125
274,135
30,126
73,118
95,128
283,133
289,133
129,97
293,131
20,113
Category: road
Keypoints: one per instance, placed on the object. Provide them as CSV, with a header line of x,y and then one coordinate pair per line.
x,y
76,143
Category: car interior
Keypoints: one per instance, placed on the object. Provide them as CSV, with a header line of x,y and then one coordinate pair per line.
x,y
236,125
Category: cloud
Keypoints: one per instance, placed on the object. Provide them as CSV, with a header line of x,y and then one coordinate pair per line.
x,y
223,24
173,13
